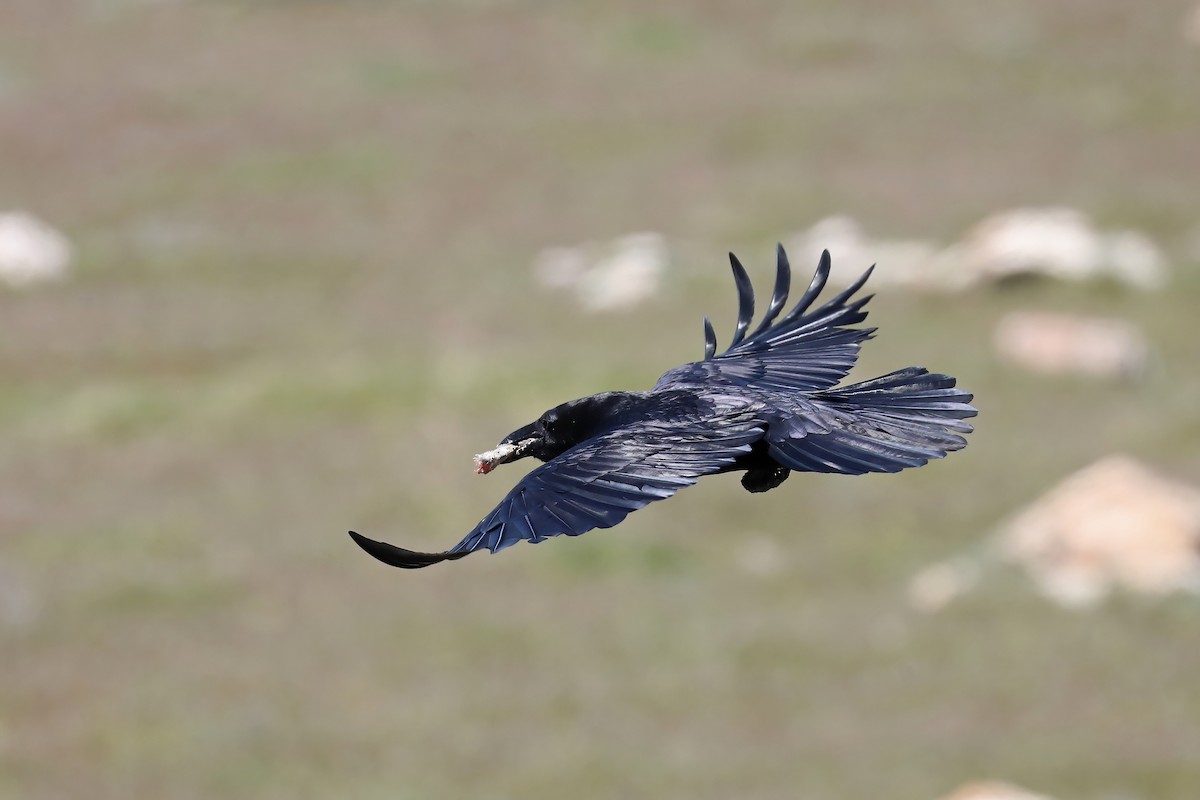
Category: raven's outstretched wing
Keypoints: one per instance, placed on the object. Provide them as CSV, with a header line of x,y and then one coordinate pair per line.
x,y
806,350
596,484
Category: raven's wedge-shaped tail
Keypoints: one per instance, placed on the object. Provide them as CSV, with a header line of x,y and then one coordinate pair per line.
x,y
897,421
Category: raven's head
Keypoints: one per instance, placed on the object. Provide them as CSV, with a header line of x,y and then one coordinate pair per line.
x,y
556,431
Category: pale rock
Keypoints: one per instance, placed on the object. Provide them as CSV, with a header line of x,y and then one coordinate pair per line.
x,y
949,271
908,263
1060,243
1056,343
610,277
845,240
560,267
904,263
1056,242
1114,523
630,273
993,790
1132,258
31,251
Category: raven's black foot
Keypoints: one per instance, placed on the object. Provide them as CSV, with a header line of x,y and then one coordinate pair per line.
x,y
764,479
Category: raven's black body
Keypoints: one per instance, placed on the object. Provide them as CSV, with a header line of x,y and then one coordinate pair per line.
x,y
766,406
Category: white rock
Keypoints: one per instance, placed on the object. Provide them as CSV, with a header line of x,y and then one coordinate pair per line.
x,y
1115,523
1055,343
629,274
993,790
1134,259
845,240
611,277
910,263
560,267
949,270
1058,242
31,251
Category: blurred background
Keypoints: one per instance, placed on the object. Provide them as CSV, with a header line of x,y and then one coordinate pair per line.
x,y
273,270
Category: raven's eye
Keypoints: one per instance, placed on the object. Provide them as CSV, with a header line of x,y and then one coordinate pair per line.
x,y
550,423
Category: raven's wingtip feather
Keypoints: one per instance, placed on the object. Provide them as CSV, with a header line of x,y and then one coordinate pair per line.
x,y
399,557
745,301
710,339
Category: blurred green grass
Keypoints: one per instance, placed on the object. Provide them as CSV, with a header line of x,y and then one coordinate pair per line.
x,y
302,301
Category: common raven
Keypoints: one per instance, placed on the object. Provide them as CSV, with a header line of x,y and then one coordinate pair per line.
x,y
766,406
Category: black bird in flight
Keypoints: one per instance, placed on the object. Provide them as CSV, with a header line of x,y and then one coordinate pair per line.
x,y
766,406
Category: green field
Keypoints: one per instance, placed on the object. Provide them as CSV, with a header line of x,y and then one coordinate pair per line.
x,y
302,301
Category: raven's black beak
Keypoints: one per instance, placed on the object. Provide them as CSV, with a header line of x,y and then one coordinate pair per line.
x,y
516,445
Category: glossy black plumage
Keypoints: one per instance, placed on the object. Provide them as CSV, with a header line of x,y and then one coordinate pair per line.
x,y
766,406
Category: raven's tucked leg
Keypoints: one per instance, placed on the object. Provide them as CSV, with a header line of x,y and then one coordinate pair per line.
x,y
763,473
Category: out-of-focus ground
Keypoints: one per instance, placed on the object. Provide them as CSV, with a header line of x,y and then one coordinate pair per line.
x,y
301,298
